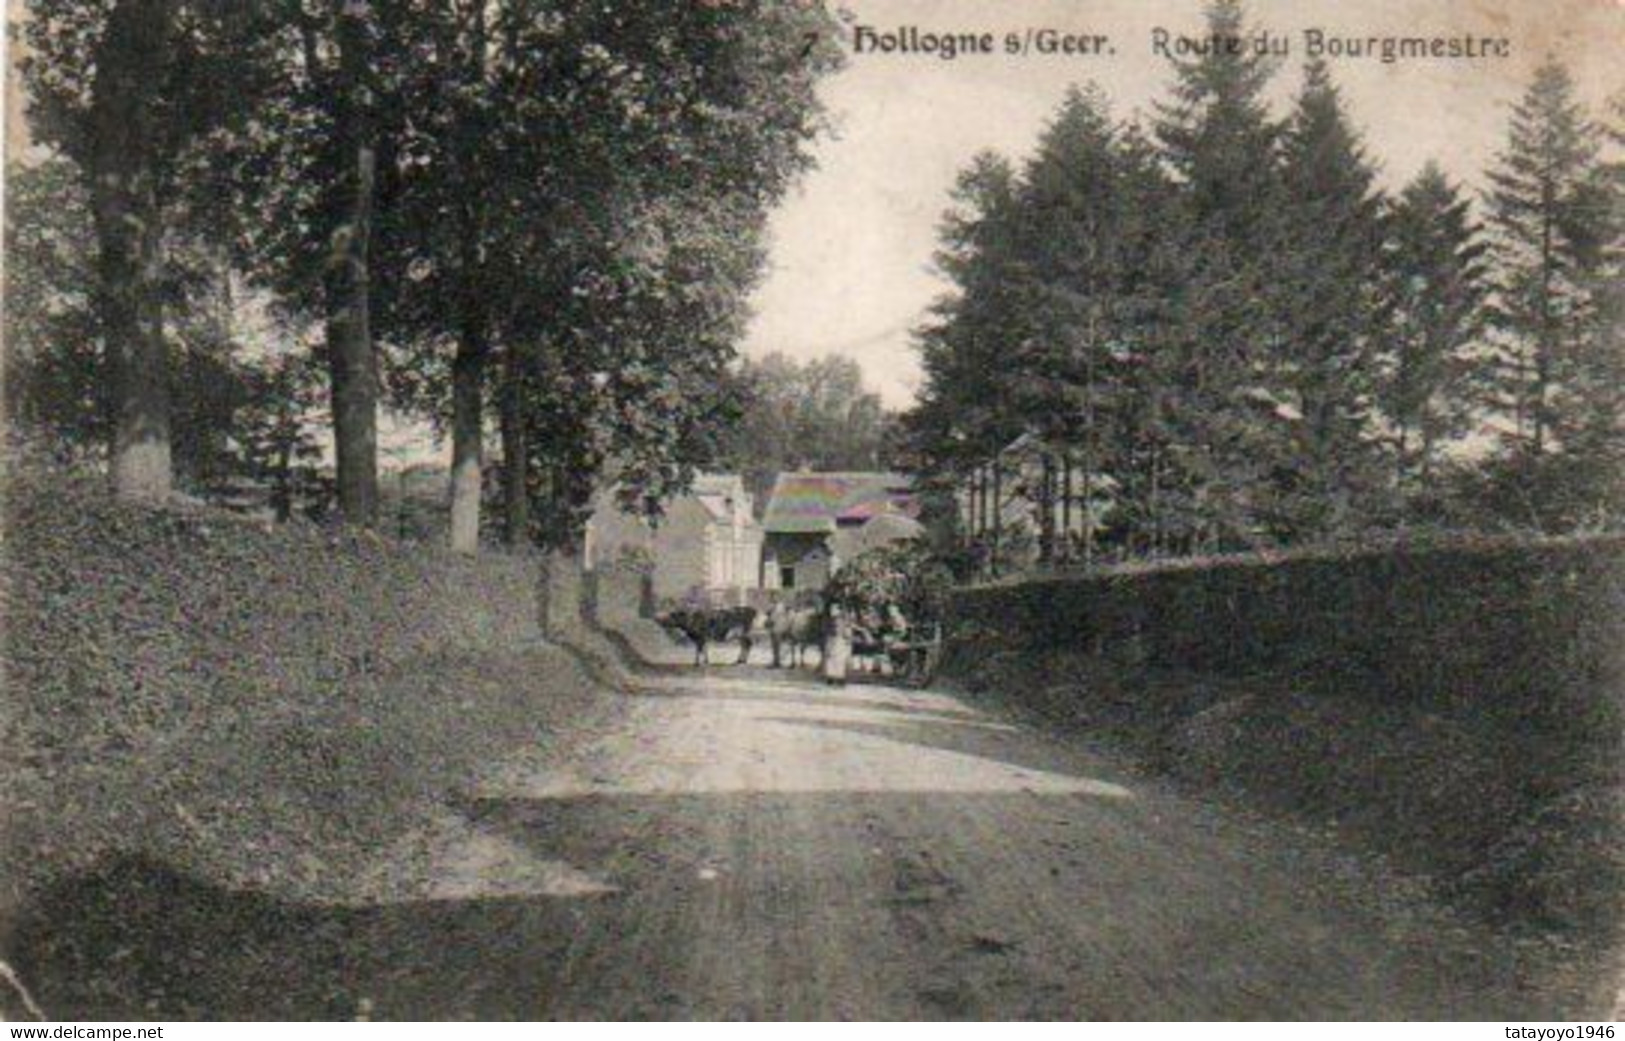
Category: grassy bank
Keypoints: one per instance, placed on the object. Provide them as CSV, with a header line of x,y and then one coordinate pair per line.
x,y
1455,710
254,705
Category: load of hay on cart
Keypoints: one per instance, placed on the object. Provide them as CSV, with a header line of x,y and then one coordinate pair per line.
x,y
896,598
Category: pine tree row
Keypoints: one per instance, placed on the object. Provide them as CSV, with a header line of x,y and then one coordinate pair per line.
x,y
1220,333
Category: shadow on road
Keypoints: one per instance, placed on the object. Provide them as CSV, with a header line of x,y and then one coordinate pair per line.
x,y
783,905
137,941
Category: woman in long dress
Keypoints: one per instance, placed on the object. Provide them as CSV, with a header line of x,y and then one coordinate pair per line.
x,y
837,646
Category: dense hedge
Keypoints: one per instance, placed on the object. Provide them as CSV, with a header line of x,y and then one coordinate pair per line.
x,y
1490,623
245,696
1457,708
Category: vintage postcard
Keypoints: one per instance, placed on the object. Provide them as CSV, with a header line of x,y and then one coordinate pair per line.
x,y
903,510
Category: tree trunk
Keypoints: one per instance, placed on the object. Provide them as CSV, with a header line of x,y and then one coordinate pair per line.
x,y
467,440
282,483
129,233
351,362
967,512
515,457
1088,511
1402,448
1046,509
1154,501
973,526
1547,343
468,368
130,264
1066,505
998,513
984,523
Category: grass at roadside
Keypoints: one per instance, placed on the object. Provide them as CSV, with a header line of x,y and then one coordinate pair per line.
x,y
1426,788
263,706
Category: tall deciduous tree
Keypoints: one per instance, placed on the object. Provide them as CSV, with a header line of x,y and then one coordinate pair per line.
x,y
581,193
126,88
347,282
303,186
691,121
236,384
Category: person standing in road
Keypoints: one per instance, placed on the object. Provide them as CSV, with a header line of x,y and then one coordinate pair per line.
x,y
837,646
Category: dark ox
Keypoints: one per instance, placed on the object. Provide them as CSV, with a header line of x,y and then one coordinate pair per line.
x,y
703,626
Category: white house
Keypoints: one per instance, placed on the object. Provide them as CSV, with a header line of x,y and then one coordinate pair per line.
x,y
706,542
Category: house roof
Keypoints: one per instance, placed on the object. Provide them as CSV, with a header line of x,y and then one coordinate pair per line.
x,y
719,484
723,496
819,502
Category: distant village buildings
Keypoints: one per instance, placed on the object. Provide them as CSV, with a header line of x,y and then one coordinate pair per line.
x,y
817,521
708,540
709,543
1035,501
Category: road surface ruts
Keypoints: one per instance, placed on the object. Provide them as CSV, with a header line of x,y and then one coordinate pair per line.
x,y
746,845
778,848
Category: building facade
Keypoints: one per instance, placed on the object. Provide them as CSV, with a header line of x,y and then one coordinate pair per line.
x,y
815,522
705,544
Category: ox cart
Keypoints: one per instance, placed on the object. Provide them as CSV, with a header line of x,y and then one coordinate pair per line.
x,y
895,597
912,656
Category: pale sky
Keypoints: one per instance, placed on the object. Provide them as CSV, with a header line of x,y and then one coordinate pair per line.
x,y
850,263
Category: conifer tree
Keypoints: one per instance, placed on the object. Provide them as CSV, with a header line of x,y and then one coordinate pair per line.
x,y
1550,207
1544,222
964,416
1434,286
1325,297
1223,146
1218,135
1163,414
1594,422
1072,211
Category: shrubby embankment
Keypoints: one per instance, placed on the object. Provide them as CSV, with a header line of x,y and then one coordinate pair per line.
x,y
260,705
1455,708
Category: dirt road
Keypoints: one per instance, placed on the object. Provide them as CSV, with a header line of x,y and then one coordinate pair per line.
x,y
743,845
770,848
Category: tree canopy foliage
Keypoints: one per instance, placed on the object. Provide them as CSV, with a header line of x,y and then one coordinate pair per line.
x,y
545,213
816,415
1221,332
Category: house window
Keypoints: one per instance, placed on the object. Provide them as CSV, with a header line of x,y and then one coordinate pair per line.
x,y
787,578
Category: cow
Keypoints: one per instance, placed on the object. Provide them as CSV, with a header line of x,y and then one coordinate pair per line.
x,y
795,629
703,626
